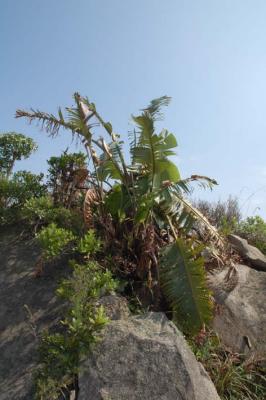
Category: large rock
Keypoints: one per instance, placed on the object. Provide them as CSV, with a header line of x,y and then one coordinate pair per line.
x,y
144,358
241,317
249,253
115,306
27,306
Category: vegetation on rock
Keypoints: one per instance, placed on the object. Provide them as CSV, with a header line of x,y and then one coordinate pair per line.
x,y
61,352
254,230
234,377
119,220
138,209
227,218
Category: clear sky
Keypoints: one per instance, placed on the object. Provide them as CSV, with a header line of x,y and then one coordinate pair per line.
x,y
208,55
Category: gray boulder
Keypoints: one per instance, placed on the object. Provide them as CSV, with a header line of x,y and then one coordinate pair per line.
x,y
144,358
241,317
115,306
249,253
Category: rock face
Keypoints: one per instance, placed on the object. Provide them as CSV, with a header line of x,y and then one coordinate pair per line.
x,y
249,253
19,324
144,358
241,319
116,307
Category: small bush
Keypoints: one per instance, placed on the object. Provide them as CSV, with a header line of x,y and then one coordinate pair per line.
x,y
53,240
16,191
36,211
41,211
89,243
253,229
61,352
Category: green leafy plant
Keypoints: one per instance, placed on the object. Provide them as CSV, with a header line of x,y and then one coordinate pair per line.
x,y
89,243
37,211
14,193
22,185
41,211
16,188
14,147
28,185
137,202
61,352
228,226
183,281
254,230
53,240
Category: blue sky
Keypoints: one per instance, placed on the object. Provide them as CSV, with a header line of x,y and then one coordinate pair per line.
x,y
208,55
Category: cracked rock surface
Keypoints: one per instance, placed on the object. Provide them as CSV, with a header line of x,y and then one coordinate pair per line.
x,y
143,358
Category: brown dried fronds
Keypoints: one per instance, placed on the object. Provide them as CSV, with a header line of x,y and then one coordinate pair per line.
x,y
91,199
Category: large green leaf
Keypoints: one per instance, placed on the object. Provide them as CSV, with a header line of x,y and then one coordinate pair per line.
x,y
110,166
183,282
117,201
154,108
152,150
165,170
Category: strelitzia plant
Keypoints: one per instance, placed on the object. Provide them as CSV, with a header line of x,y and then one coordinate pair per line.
x,y
142,205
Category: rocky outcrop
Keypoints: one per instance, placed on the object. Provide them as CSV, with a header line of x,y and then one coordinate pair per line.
x,y
249,253
144,358
241,317
27,306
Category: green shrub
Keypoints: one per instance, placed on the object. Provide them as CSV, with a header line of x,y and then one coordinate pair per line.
x,y
53,240
13,147
89,243
23,185
37,211
89,281
254,230
16,191
41,211
31,185
60,353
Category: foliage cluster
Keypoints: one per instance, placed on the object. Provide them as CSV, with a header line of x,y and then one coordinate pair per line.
x,y
38,212
233,378
139,209
25,197
15,191
62,352
14,147
89,243
254,230
53,240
